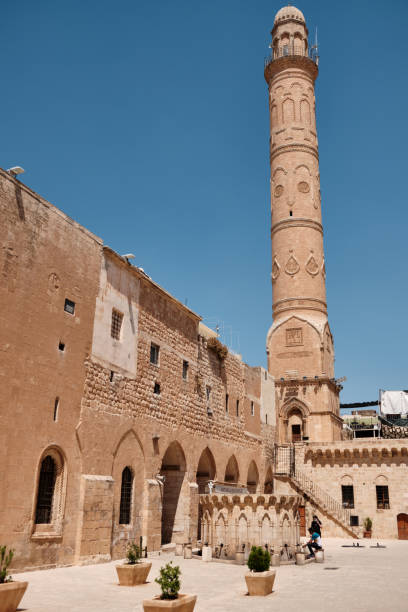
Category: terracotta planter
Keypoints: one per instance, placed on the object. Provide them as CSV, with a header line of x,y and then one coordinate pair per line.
x,y
367,534
11,593
133,574
183,603
260,583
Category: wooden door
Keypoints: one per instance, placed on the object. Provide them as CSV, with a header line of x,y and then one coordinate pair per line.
x,y
302,522
402,520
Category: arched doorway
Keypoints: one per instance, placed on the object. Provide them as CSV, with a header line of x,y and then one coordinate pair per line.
x,y
205,472
173,470
232,471
402,522
268,484
252,478
295,425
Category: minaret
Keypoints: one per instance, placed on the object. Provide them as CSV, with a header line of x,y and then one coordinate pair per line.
x,y
299,343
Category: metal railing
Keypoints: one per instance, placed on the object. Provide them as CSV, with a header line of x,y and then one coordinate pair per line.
x,y
290,50
285,465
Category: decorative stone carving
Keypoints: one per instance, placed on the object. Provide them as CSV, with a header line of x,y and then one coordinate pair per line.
x,y
275,269
53,282
279,189
303,187
292,265
312,267
294,336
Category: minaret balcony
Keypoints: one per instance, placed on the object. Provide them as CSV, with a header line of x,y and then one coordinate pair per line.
x,y
292,50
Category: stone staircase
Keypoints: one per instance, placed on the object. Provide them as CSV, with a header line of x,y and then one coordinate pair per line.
x,y
285,466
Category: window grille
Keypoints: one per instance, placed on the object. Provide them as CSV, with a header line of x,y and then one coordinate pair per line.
x,y
46,485
69,306
383,499
185,370
347,496
116,324
125,497
154,353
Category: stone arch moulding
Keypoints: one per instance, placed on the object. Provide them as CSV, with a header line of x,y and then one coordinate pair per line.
x,y
303,166
294,404
121,434
346,480
54,528
381,480
273,329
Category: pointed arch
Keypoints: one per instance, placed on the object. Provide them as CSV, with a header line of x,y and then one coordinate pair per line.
x,y
232,470
174,506
268,484
206,469
252,477
50,490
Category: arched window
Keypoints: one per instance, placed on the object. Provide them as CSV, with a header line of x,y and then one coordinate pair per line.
x,y
126,496
46,486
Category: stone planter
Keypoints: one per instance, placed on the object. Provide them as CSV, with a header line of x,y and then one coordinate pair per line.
x,y
260,583
188,551
183,603
133,574
240,558
275,560
300,558
367,534
319,556
11,593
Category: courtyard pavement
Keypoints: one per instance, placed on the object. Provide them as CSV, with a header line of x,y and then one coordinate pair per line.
x,y
365,579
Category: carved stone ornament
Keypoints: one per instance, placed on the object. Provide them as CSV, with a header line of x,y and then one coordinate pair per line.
x,y
294,336
53,282
278,191
323,268
292,265
312,267
303,187
275,269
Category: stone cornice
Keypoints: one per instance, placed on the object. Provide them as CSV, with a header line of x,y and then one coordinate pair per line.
x,y
321,380
290,61
296,222
294,147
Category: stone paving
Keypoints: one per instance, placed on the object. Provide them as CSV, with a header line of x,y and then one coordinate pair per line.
x,y
365,580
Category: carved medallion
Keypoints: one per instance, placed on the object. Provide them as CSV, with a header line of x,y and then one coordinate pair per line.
x,y
294,336
303,187
312,266
53,282
278,191
275,269
292,265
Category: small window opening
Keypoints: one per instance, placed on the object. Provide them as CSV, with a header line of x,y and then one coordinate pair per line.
x,y
353,521
116,324
56,406
347,496
226,402
185,370
126,497
383,499
111,376
237,407
45,494
156,389
69,306
266,418
290,213
61,346
154,353
208,392
252,409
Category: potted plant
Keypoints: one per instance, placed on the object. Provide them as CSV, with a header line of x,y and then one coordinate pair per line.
x,y
170,598
134,571
368,524
260,578
11,592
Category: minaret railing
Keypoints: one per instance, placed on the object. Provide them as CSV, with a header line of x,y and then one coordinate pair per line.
x,y
292,50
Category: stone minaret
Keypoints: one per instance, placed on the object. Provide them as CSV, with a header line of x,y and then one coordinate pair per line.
x,y
299,343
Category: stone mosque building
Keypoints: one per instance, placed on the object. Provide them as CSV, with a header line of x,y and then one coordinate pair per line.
x,y
123,416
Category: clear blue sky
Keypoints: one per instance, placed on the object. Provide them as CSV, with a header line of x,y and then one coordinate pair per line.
x,y
147,122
